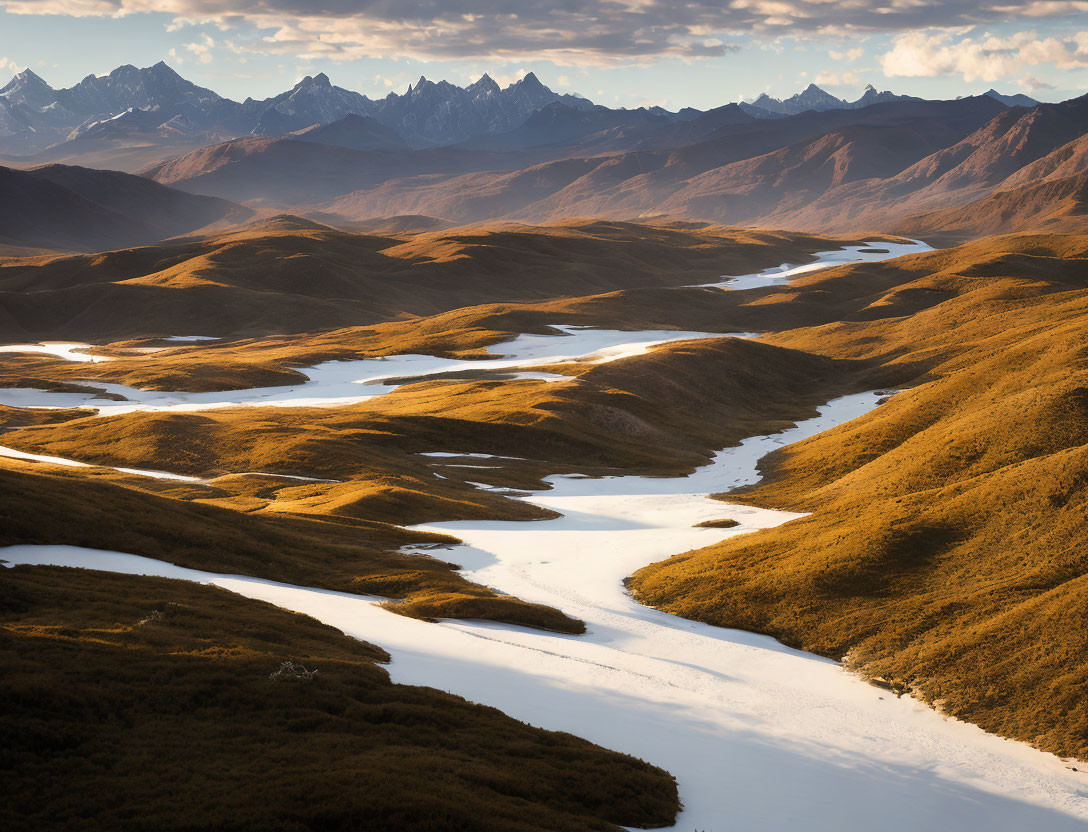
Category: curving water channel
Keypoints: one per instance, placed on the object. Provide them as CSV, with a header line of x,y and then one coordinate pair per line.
x,y
759,736
339,383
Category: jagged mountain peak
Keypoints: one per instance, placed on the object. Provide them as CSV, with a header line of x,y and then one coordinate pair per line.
x,y
27,85
163,68
321,80
485,84
530,81
1015,100
428,113
28,76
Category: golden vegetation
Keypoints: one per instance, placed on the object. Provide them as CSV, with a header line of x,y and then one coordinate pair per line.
x,y
148,704
945,553
300,276
721,523
180,523
947,547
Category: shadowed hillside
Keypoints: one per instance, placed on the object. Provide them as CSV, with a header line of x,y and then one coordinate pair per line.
x,y
171,683
1054,205
72,208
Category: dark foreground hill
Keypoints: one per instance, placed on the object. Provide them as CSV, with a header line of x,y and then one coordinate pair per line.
x,y
149,704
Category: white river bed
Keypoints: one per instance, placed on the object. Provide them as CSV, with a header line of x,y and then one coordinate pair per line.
x,y
66,350
338,383
759,736
864,253
12,453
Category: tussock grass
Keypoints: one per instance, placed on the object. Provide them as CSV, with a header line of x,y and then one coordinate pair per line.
x,y
721,523
147,704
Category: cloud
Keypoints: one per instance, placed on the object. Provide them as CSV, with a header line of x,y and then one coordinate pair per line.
x,y
848,55
588,32
837,79
202,49
1030,82
927,54
509,77
8,65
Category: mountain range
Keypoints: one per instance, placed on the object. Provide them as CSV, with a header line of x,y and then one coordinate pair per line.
x,y
153,114
156,102
815,98
835,170
523,152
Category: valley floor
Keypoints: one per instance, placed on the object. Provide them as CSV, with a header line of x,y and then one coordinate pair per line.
x,y
759,736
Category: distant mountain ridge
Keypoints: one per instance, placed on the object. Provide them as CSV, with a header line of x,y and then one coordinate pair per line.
x,y
35,116
155,106
815,98
840,171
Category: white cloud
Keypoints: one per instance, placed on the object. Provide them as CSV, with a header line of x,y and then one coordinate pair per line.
x,y
587,33
848,55
837,79
8,65
202,49
1030,82
927,54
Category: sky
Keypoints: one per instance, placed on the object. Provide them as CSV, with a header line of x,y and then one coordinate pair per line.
x,y
629,53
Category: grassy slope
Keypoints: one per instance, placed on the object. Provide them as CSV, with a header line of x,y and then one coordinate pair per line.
x,y
947,548
1057,205
146,704
297,276
162,520
651,414
950,590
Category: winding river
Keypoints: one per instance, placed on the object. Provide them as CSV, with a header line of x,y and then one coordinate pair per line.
x,y
759,736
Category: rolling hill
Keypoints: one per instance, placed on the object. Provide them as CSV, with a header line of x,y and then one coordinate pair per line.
x,y
292,275
164,664
945,551
72,208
